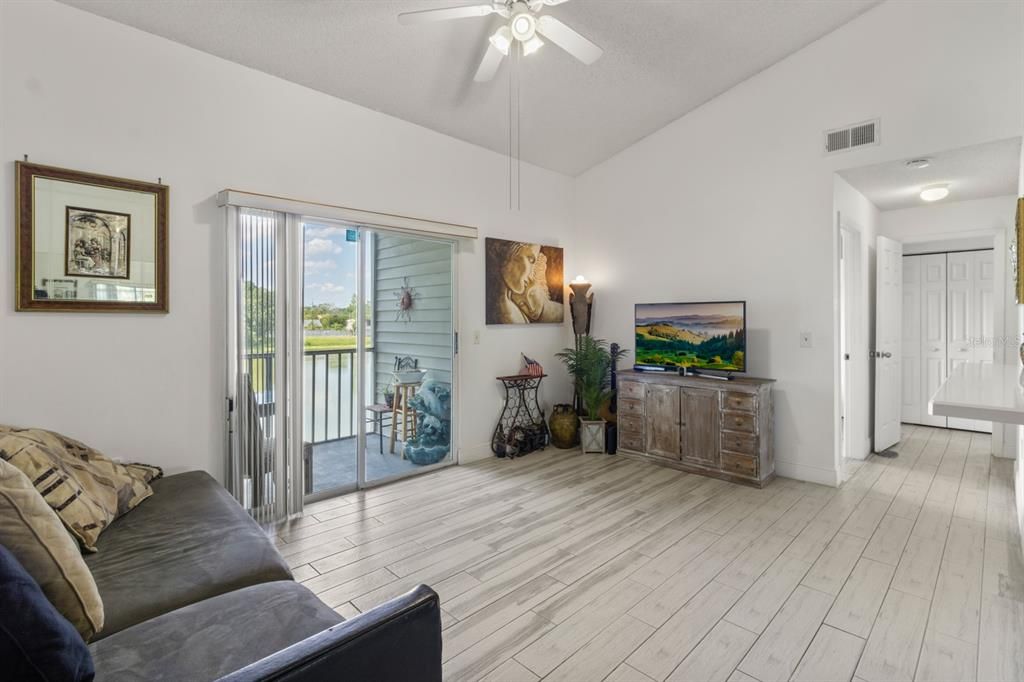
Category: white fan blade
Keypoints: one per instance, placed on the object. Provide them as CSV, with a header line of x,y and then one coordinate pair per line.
x,y
444,14
537,4
568,39
488,65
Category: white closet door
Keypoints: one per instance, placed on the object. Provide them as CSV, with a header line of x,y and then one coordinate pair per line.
x,y
913,402
933,332
971,327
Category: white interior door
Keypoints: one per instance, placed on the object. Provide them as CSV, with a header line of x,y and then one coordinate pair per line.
x,y
889,302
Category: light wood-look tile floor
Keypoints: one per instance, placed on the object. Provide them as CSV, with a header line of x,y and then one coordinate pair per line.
x,y
566,566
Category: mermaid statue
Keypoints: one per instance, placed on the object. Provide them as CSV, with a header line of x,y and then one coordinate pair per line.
x,y
433,405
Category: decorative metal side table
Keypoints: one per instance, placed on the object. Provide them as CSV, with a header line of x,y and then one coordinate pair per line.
x,y
521,427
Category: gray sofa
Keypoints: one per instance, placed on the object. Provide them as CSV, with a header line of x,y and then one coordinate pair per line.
x,y
193,589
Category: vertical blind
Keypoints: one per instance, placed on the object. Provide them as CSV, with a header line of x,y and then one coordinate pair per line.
x,y
264,466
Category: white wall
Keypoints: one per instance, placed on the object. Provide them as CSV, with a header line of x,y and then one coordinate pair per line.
x,y
857,213
83,92
735,199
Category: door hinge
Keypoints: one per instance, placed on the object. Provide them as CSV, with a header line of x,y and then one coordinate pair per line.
x,y
456,352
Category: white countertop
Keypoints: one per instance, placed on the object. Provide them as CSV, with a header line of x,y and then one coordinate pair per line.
x,y
981,390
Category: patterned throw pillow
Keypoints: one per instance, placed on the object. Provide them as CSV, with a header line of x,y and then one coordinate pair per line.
x,y
87,489
39,541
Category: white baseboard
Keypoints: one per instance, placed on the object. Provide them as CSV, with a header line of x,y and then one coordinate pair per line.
x,y
475,453
804,472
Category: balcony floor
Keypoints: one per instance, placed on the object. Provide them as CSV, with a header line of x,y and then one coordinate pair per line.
x,y
334,463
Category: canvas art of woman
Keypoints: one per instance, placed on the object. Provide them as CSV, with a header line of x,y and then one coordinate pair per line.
x,y
524,283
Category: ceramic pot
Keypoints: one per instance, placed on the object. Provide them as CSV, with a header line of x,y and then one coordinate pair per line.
x,y
563,423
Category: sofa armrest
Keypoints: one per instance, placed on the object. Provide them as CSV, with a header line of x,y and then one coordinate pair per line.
x,y
398,640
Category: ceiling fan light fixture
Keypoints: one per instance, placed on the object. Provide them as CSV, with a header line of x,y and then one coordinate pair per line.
x,y
935,192
532,45
502,40
524,26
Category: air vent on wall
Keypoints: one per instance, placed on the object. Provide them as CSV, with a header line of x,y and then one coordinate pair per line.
x,y
851,136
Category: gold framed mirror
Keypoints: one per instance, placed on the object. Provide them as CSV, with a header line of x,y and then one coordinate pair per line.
x,y
89,243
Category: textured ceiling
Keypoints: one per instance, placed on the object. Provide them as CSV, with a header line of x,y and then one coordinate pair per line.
x,y
662,59
976,172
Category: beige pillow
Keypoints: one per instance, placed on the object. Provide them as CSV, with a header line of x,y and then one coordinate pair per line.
x,y
34,534
87,489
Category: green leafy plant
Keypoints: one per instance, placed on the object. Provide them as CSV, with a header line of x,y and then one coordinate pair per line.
x,y
590,364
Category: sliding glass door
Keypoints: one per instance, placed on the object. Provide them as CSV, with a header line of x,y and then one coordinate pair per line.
x,y
409,295
377,364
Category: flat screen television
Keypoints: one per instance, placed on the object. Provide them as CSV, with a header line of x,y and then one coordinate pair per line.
x,y
709,336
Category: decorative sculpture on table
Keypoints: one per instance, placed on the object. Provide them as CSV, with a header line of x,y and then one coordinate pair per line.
x,y
531,367
432,442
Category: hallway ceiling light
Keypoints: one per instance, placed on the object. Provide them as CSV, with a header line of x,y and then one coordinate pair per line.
x,y
918,164
935,192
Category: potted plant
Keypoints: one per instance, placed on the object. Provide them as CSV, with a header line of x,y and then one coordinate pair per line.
x,y
389,396
590,364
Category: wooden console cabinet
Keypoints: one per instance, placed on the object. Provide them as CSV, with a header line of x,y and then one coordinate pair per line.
x,y
705,426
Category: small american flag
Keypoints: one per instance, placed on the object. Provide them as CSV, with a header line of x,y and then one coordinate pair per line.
x,y
532,367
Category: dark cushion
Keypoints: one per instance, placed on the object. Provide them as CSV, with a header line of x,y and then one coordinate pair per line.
x,y
36,642
210,639
189,541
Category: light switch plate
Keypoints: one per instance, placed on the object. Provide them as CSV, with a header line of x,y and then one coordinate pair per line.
x,y
805,340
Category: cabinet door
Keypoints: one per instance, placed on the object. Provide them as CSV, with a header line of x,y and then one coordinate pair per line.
x,y
699,433
661,407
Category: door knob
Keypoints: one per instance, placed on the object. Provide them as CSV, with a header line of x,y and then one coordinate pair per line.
x,y
885,354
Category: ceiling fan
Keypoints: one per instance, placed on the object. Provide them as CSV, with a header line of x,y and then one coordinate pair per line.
x,y
525,26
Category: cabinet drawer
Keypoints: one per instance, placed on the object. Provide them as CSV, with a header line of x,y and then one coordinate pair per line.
x,y
631,389
739,464
739,442
631,423
745,402
631,440
630,406
739,421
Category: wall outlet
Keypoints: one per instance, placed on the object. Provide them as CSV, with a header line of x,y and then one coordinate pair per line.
x,y
476,337
805,340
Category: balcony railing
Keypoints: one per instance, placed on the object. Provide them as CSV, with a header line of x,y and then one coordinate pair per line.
x,y
329,384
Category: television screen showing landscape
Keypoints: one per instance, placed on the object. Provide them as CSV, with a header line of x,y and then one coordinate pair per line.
x,y
698,335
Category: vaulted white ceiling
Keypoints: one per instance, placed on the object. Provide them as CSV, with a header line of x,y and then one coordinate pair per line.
x,y
662,59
